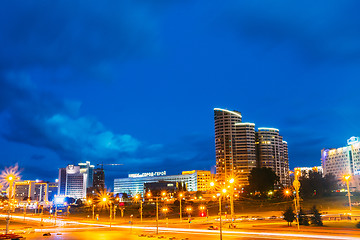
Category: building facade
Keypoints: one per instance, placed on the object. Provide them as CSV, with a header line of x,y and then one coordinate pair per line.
x,y
342,161
31,190
272,152
99,179
74,180
195,180
239,148
234,146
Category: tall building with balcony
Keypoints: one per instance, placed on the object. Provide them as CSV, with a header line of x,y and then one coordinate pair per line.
x,y
239,148
234,146
272,152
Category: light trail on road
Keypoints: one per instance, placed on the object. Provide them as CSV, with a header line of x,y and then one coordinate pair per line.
x,y
184,230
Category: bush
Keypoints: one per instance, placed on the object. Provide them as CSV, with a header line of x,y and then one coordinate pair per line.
x,y
358,225
303,219
289,215
316,218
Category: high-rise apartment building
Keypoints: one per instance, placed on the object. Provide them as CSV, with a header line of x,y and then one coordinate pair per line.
x,y
74,180
234,145
239,148
272,152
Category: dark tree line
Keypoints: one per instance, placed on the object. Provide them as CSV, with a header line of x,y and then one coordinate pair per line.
x,y
315,185
262,180
315,218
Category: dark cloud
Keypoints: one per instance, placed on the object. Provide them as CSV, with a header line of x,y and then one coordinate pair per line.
x,y
321,30
40,119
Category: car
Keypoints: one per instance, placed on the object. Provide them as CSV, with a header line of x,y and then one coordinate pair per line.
x,y
11,236
273,217
161,237
212,227
47,234
142,235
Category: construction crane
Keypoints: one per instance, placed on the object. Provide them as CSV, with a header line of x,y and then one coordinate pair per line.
x,y
109,164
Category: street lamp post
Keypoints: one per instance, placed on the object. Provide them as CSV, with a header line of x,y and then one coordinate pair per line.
x,y
223,191
347,180
180,198
296,185
138,197
10,180
231,181
189,210
157,215
165,209
157,211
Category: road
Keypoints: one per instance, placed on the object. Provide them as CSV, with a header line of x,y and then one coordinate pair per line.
x,y
103,233
72,229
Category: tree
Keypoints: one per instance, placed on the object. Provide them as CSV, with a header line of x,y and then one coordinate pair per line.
x,y
262,180
331,183
289,216
303,219
315,185
79,202
316,217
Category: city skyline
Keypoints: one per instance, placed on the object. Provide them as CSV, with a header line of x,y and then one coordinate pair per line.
x,y
136,83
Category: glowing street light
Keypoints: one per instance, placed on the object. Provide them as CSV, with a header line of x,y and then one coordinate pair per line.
x,y
8,177
180,200
347,180
137,197
231,181
90,202
106,199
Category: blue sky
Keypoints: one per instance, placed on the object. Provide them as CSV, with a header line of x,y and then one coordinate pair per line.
x,y
135,82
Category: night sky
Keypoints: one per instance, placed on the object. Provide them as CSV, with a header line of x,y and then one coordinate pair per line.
x,y
135,82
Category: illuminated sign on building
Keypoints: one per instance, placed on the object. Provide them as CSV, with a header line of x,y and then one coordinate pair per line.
x,y
148,174
352,140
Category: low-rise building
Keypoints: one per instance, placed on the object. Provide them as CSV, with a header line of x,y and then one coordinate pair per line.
x,y
193,181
